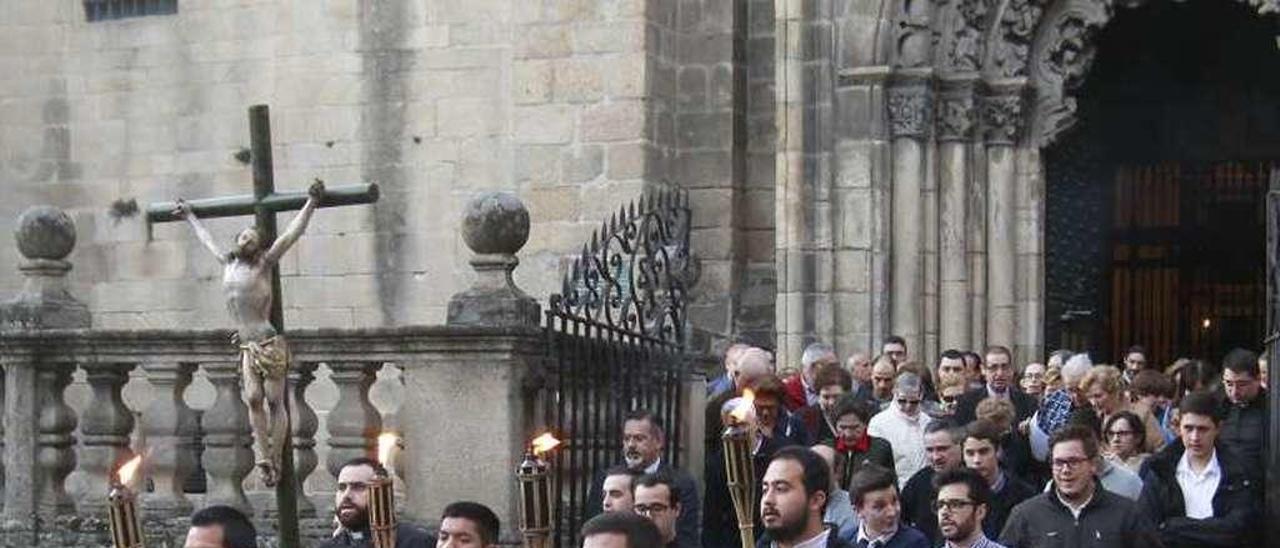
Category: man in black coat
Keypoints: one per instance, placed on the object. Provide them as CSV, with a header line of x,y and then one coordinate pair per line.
x,y
643,442
1196,489
998,370
981,451
1243,408
352,509
942,442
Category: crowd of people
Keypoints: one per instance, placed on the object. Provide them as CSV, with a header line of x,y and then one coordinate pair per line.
x,y
885,452
974,451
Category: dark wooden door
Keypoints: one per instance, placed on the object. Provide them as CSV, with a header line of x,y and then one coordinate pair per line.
x,y
1187,259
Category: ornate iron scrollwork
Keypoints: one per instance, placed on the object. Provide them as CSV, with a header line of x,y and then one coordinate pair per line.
x,y
634,274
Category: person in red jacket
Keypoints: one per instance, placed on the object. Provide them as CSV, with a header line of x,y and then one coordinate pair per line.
x,y
800,390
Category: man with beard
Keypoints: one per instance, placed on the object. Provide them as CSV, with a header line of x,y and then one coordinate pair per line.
x,y
1075,512
961,506
643,442
942,442
795,492
468,525
352,509
998,371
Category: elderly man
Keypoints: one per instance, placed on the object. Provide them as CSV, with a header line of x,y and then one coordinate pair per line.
x,y
879,392
902,425
643,442
1061,407
801,392
998,371
752,365
859,365
724,383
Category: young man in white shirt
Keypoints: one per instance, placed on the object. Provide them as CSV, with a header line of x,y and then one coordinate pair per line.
x,y
1196,491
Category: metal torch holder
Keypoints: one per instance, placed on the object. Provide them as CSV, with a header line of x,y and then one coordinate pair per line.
x,y
382,512
739,466
122,514
536,511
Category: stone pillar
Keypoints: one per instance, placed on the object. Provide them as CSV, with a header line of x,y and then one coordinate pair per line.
x,y
1002,117
55,453
172,429
955,123
910,123
489,363
104,429
304,424
794,256
1029,345
353,423
37,422
227,437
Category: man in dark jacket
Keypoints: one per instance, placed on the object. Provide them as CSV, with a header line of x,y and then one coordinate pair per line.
x,y
1076,512
942,441
352,509
998,370
832,383
1243,408
643,442
1197,490
982,454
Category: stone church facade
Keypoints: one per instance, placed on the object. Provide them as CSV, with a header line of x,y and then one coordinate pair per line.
x,y
856,168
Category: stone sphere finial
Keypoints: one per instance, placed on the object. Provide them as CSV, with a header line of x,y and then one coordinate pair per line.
x,y
495,223
45,232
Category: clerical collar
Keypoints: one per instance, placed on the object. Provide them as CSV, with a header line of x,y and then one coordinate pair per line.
x,y
653,468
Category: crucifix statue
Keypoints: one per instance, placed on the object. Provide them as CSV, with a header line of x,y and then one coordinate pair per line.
x,y
251,285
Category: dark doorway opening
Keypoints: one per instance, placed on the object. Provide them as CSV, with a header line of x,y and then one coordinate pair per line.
x,y
1155,231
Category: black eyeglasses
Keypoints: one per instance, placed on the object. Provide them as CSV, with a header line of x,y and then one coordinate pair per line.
x,y
908,403
951,505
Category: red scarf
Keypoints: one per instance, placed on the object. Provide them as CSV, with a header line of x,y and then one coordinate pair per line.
x,y
859,446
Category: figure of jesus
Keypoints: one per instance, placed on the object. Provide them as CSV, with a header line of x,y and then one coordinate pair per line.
x,y
264,354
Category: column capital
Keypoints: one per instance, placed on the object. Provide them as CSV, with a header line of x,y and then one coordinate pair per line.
x,y
1004,110
956,112
910,103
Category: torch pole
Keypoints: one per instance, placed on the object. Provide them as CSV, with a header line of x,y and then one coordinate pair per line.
x,y
740,472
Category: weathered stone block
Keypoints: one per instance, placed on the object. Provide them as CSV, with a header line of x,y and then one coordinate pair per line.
x,y
620,121
531,81
545,124
582,164
577,80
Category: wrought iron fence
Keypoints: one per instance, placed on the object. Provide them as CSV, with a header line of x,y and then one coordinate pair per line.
x,y
616,343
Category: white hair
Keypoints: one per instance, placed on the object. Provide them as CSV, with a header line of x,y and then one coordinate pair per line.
x,y
814,352
1076,366
754,363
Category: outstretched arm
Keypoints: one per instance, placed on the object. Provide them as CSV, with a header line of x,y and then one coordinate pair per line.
x,y
297,226
184,211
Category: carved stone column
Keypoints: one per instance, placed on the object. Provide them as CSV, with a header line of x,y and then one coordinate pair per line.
x,y
227,457
172,429
55,453
304,423
955,123
354,423
104,429
1002,113
911,122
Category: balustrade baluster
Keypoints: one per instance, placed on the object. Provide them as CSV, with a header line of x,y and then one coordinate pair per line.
x,y
354,423
227,457
171,428
104,429
55,456
304,425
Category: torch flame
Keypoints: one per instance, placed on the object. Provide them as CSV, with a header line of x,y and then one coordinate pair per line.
x,y
128,469
544,443
745,406
386,441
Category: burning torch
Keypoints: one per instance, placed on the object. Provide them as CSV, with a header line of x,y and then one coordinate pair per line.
x,y
739,465
534,475
122,508
382,497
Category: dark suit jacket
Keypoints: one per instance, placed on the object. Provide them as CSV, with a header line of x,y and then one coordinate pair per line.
x,y
966,408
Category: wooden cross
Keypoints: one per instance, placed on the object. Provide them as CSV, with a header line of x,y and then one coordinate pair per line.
x,y
263,204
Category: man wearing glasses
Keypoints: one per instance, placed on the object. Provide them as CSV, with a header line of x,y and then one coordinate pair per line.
x,y
655,498
998,370
902,425
1075,511
961,504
